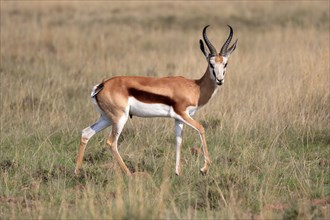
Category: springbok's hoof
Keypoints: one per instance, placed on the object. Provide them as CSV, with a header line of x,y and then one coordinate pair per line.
x,y
203,172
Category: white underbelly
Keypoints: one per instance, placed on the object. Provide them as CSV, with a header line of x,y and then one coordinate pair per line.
x,y
142,109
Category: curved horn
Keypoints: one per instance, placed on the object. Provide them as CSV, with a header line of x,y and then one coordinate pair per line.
x,y
212,49
224,48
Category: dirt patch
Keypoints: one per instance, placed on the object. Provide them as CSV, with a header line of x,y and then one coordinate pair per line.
x,y
6,165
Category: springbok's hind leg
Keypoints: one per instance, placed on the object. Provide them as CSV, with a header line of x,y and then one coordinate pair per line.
x,y
86,134
112,142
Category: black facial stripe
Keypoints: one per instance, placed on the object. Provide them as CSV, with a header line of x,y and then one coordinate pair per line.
x,y
215,76
226,65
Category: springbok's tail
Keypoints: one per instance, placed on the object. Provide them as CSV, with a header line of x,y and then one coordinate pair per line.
x,y
97,89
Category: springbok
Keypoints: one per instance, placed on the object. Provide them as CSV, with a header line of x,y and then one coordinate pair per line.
x,y
176,97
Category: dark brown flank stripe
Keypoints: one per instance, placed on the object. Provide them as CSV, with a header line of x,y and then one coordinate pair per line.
x,y
150,98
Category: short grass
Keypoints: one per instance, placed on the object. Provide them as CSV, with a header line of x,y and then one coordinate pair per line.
x,y
267,129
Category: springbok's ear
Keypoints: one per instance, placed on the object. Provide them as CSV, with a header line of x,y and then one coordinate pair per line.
x,y
201,46
232,48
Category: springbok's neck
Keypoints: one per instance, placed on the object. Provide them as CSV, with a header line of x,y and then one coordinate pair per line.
x,y
207,88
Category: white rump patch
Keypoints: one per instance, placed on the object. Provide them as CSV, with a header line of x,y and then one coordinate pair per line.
x,y
95,90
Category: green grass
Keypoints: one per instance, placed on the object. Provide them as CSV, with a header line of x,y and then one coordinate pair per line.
x,y
267,129
247,174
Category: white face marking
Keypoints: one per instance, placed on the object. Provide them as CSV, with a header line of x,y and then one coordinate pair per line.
x,y
217,70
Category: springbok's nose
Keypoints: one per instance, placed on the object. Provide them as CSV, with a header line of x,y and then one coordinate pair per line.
x,y
220,82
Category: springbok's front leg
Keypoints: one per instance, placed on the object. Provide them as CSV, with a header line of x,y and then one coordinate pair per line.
x,y
178,141
194,124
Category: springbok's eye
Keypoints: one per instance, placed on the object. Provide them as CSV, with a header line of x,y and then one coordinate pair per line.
x,y
225,65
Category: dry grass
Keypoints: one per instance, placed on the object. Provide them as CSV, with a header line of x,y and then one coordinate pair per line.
x,y
267,128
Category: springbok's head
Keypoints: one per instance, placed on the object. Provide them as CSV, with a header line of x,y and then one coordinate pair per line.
x,y
217,62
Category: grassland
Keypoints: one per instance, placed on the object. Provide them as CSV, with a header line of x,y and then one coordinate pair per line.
x,y
267,129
